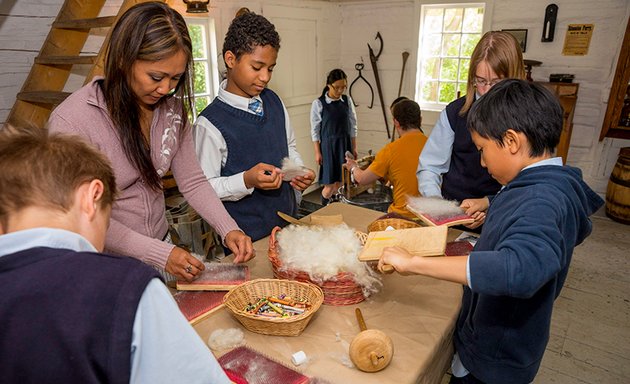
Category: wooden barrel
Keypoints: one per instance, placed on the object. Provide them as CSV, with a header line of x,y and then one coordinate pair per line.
x,y
618,191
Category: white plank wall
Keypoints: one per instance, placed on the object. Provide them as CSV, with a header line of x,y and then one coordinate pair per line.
x,y
343,30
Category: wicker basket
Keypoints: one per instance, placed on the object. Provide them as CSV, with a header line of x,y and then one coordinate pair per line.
x,y
238,298
393,220
339,290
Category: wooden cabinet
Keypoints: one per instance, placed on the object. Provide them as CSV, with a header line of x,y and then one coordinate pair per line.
x,y
567,94
611,126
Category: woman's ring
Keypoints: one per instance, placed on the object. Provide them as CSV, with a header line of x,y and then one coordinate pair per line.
x,y
189,268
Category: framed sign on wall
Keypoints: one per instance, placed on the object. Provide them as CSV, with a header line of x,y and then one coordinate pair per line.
x,y
520,35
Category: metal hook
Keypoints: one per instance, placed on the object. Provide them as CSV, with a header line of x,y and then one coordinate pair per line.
x,y
372,55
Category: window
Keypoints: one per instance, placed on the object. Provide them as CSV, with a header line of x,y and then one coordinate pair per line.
x,y
206,80
448,35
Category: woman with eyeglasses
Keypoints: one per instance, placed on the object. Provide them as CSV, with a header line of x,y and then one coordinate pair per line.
x,y
334,131
449,164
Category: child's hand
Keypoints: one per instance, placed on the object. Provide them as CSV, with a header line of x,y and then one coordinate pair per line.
x,y
476,208
318,158
263,176
398,258
302,182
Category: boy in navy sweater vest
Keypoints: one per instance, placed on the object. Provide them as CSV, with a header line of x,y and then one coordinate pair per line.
x,y
70,314
521,260
242,137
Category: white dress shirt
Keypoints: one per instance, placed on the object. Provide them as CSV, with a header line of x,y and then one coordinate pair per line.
x,y
212,149
316,117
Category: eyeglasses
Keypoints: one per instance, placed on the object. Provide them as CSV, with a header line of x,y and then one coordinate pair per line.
x,y
339,89
481,82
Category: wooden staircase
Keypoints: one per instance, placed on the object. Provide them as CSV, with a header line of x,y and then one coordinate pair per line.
x,y
43,88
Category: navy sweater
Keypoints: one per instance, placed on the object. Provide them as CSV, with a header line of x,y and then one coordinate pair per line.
x,y
517,268
250,140
67,317
466,178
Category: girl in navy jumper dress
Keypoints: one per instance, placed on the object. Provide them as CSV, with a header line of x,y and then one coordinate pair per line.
x,y
333,130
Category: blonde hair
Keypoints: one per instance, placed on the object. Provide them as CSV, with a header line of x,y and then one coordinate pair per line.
x,y
502,53
45,171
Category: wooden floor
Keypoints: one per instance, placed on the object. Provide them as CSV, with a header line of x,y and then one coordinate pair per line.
x,y
590,330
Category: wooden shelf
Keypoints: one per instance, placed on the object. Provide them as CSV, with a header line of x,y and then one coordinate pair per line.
x,y
567,94
610,127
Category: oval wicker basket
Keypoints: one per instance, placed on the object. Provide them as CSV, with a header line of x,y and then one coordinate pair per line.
x,y
393,220
238,298
339,290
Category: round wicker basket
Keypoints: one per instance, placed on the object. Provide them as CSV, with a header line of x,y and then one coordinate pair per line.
x,y
339,290
392,220
238,298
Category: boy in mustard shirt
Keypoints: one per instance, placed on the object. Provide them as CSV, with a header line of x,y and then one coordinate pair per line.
x,y
397,162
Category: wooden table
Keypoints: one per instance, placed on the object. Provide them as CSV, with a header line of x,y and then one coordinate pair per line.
x,y
418,313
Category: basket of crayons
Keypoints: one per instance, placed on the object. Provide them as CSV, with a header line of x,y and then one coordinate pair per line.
x,y
340,290
274,307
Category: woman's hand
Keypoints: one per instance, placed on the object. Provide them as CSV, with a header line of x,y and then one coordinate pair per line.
x,y
241,245
263,176
183,265
302,182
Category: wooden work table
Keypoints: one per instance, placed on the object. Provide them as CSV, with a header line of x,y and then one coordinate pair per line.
x,y
417,313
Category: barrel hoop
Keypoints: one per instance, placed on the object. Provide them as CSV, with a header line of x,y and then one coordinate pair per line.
x,y
616,180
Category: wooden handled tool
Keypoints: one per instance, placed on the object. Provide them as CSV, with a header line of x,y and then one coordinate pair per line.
x,y
371,350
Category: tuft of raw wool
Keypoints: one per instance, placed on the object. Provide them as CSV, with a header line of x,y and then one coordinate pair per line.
x,y
291,169
435,207
323,252
229,338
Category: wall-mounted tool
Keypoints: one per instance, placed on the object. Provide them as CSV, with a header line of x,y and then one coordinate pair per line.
x,y
405,56
359,67
373,60
551,13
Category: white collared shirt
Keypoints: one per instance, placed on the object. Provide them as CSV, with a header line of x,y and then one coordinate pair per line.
x,y
316,117
212,149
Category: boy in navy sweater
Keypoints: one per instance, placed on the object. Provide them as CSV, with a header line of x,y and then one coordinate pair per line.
x,y
242,137
70,314
521,260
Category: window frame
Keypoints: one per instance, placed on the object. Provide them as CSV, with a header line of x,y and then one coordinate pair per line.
x,y
421,8
211,61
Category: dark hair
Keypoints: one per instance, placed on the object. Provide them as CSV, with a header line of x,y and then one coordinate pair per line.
x,y
407,113
248,31
397,100
41,170
148,31
522,106
502,53
334,75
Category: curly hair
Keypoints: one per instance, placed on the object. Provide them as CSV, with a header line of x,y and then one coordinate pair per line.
x,y
248,31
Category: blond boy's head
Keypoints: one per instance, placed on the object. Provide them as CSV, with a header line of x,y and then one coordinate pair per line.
x,y
45,173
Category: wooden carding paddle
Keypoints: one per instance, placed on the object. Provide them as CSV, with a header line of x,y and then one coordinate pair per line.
x,y
423,241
